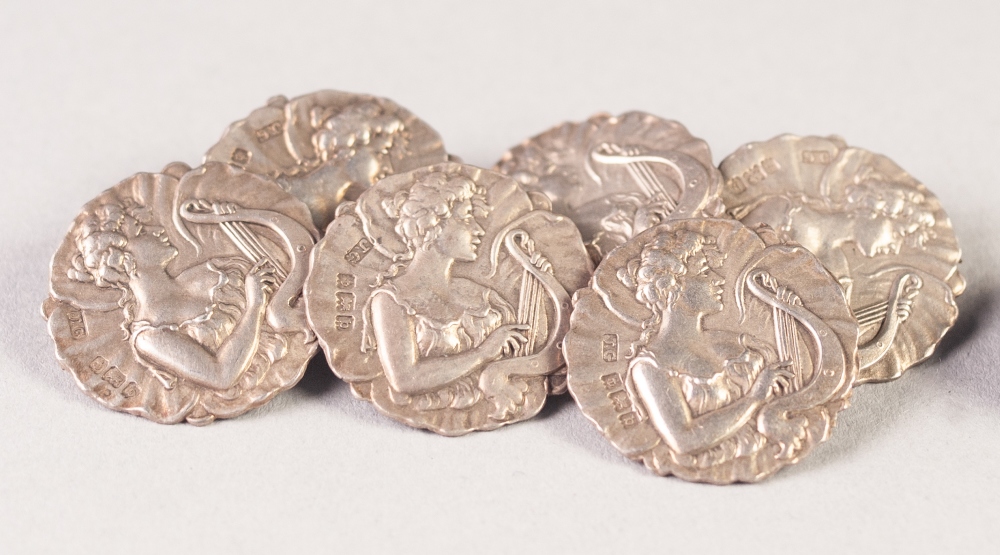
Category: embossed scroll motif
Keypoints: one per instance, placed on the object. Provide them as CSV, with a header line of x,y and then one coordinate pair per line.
x,y
442,296
177,296
328,146
880,232
710,352
616,176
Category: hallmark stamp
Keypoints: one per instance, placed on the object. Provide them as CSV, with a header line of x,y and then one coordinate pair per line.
x,y
240,157
131,390
754,175
115,377
621,401
343,322
609,347
99,365
269,131
346,281
345,301
358,251
612,381
77,326
103,391
819,157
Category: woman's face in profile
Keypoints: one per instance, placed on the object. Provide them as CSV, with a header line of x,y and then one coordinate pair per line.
x,y
151,248
702,291
460,234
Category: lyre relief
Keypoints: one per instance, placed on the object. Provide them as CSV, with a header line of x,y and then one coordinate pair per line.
x,y
529,306
537,282
784,420
887,317
234,221
786,333
639,169
674,199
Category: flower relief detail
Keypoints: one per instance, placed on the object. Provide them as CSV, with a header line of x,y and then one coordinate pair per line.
x,y
204,325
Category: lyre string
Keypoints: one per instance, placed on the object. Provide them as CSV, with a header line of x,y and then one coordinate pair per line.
x,y
535,309
872,314
529,309
644,176
248,243
787,340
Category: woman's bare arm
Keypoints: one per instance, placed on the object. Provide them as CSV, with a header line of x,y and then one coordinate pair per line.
x,y
185,358
671,416
407,372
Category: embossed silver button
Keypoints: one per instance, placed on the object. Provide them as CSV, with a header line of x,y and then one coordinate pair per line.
x,y
177,296
882,233
711,352
616,176
328,146
440,297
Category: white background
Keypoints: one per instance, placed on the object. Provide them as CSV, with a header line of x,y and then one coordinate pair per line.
x,y
93,92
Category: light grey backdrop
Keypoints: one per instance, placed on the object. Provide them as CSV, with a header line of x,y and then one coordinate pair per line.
x,y
93,92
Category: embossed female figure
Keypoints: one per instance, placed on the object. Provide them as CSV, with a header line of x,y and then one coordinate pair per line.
x,y
876,218
443,334
741,361
204,324
327,147
440,295
184,294
880,232
702,397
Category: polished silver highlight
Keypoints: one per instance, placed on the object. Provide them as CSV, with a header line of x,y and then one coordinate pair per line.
x,y
883,235
442,296
710,352
616,176
177,296
329,146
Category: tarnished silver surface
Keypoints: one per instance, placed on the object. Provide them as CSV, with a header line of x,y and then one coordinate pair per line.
x,y
176,296
328,146
710,352
616,176
442,296
877,229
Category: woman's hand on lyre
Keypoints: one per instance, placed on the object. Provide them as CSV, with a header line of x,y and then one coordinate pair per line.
x,y
507,395
504,341
772,380
259,284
